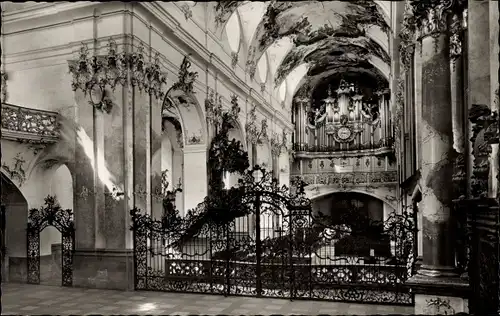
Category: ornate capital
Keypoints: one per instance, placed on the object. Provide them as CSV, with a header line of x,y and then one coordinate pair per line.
x,y
94,74
186,77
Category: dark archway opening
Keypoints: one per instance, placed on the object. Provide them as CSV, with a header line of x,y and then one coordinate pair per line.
x,y
13,239
358,222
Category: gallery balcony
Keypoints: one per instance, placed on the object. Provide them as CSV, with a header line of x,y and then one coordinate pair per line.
x,y
27,125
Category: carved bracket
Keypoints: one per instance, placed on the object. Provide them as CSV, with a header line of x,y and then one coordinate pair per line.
x,y
186,77
94,74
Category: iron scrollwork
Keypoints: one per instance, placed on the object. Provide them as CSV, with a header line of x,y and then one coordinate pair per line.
x,y
262,239
51,214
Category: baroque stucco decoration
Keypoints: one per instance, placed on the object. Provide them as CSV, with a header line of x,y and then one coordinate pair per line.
x,y
94,75
186,78
3,77
255,134
432,18
279,143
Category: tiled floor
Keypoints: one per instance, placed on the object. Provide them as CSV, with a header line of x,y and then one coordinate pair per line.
x,y
22,299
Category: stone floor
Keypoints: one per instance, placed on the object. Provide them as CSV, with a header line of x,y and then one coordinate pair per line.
x,y
23,299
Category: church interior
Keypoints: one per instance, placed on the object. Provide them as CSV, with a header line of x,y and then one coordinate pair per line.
x,y
342,153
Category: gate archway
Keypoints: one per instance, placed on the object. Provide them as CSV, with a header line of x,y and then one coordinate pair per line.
x,y
51,214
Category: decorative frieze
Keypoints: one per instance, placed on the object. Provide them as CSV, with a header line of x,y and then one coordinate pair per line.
x,y
186,78
36,126
349,178
94,74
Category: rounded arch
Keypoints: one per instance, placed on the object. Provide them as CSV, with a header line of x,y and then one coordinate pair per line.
x,y
329,190
238,133
13,239
170,156
190,113
60,183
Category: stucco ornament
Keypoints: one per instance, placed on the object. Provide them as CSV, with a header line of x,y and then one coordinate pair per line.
x,y
4,77
186,77
255,134
234,59
95,75
485,131
278,143
16,171
213,107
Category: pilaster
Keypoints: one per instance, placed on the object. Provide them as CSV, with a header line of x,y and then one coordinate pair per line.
x,y
195,175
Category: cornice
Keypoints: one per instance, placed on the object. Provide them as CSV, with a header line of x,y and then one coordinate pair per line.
x,y
201,52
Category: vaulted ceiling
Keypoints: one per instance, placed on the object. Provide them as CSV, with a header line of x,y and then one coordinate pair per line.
x,y
305,43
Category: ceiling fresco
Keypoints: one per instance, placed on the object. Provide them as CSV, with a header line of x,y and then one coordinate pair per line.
x,y
325,36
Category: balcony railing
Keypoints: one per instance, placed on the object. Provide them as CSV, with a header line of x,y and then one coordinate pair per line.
x,y
349,178
29,125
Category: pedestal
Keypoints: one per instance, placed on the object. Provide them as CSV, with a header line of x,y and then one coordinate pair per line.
x,y
103,269
439,296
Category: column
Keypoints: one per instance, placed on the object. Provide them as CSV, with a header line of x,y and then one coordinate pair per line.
x,y
494,83
437,153
478,43
381,110
195,175
437,277
155,146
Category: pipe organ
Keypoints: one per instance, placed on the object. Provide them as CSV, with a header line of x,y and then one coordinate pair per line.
x,y
345,120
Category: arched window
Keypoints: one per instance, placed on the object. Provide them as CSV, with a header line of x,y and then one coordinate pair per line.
x,y
233,32
262,66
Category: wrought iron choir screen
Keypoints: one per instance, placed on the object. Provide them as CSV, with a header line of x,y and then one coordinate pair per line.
x,y
275,247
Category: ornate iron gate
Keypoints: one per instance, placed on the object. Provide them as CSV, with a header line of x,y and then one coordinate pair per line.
x,y
280,248
51,214
483,236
